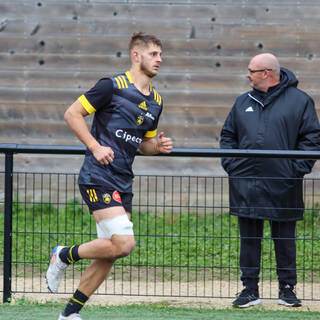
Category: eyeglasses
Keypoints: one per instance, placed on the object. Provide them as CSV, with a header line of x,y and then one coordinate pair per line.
x,y
260,70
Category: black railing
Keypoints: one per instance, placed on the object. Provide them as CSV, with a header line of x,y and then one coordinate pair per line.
x,y
11,149
177,152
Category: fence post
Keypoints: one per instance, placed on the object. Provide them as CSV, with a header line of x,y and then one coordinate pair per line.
x,y
7,243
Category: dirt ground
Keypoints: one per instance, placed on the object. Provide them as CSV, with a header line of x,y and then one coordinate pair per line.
x,y
210,294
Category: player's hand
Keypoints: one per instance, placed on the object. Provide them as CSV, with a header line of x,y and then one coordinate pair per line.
x,y
104,155
164,144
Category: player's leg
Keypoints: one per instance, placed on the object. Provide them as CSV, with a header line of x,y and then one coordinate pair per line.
x,y
90,280
109,210
119,230
119,244
115,239
103,253
94,275
116,247
98,270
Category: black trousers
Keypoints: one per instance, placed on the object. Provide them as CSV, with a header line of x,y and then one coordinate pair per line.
x,y
283,235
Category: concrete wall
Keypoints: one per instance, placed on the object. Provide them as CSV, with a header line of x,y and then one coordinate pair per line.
x,y
52,51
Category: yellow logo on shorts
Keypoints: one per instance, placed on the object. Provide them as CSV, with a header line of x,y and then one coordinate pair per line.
x,y
92,195
106,198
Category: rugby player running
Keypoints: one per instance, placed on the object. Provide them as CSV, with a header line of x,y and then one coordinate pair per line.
x,y
126,113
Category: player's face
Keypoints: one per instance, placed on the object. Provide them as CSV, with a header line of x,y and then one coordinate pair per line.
x,y
151,60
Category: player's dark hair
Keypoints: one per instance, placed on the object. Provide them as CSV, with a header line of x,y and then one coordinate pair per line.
x,y
142,39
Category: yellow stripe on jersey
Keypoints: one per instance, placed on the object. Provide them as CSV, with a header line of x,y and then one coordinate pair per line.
x,y
151,134
122,84
157,97
118,83
129,77
86,104
124,81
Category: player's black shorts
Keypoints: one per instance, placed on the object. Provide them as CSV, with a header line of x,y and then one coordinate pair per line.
x,y
100,197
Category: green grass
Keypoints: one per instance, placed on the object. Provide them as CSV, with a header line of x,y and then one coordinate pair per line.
x,y
24,310
186,245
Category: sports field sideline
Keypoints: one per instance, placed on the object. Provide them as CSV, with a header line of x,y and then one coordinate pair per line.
x,y
23,309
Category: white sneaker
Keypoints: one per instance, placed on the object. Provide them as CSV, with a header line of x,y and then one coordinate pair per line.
x,y
55,271
73,316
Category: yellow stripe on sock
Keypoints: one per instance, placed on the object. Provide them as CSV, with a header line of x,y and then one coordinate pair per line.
x,y
70,254
77,301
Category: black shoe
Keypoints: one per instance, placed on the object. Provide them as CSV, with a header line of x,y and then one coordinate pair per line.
x,y
287,297
248,297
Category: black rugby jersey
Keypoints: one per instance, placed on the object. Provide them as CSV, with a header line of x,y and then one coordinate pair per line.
x,y
123,117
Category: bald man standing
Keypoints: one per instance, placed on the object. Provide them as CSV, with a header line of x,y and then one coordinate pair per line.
x,y
274,115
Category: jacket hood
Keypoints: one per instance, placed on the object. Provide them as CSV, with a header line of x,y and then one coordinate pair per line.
x,y
287,78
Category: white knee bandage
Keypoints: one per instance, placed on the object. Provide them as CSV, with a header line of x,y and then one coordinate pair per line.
x,y
120,225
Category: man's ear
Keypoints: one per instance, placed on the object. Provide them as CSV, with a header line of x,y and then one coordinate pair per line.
x,y
135,55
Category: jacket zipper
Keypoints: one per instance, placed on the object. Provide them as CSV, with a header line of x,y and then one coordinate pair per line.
x,y
256,100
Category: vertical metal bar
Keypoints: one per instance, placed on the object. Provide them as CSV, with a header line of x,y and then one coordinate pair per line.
x,y
7,243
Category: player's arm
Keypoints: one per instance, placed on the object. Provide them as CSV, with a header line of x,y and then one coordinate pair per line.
x,y
74,116
150,146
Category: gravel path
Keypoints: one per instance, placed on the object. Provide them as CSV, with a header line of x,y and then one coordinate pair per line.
x,y
117,292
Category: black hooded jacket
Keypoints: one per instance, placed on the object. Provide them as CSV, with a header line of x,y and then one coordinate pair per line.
x,y
284,118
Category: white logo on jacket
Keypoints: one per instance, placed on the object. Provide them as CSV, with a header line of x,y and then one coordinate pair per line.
x,y
249,109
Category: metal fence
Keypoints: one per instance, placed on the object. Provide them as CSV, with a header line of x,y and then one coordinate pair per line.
x,y
187,243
